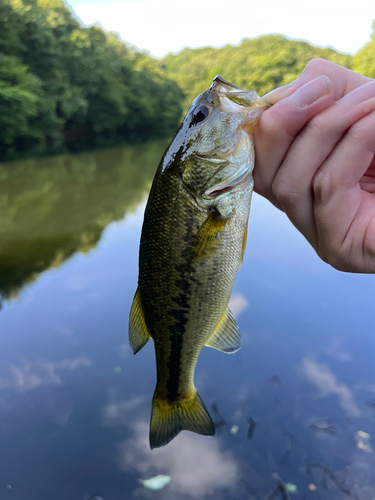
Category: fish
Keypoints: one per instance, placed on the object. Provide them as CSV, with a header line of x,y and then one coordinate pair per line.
x,y
192,244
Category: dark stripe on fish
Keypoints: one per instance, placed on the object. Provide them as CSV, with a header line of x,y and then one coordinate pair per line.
x,y
179,314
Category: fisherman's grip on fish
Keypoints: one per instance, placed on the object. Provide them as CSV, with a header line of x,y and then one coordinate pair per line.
x,y
192,244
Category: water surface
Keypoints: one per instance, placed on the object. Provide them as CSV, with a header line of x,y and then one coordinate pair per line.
x,y
75,402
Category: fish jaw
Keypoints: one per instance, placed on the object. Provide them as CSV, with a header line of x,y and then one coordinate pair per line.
x,y
218,153
236,173
233,98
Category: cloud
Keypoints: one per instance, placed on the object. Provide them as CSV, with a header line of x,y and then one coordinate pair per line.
x,y
118,413
335,350
321,376
196,464
237,304
30,375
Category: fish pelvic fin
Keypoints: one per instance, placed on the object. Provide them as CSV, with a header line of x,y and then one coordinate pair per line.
x,y
226,336
168,420
138,331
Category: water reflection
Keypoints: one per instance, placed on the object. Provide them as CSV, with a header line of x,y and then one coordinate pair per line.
x,y
322,377
75,403
30,375
51,208
198,466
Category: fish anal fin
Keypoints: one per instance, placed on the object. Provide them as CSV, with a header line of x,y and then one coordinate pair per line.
x,y
226,337
168,420
138,331
208,238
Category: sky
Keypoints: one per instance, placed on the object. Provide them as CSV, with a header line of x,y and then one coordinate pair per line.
x,y
162,26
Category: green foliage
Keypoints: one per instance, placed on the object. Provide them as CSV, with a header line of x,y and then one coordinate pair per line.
x,y
259,64
20,99
364,60
58,78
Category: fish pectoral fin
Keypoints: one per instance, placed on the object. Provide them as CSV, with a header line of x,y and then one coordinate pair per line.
x,y
168,420
208,238
138,331
244,241
226,337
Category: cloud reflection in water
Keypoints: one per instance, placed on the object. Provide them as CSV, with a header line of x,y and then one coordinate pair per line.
x,y
31,374
196,464
321,376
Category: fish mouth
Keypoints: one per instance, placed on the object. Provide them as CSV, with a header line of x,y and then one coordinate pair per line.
x,y
228,186
237,96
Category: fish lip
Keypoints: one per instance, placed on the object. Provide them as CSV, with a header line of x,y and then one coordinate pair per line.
x,y
229,186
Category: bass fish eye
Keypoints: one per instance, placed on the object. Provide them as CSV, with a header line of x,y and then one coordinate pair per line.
x,y
200,114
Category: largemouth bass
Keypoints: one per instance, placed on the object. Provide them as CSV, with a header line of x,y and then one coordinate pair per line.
x,y
192,244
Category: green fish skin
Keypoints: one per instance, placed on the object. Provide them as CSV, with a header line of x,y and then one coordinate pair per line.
x,y
192,244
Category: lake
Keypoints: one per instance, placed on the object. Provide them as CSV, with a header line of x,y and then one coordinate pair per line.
x,y
297,400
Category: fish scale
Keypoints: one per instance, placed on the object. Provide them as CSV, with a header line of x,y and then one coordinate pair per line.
x,y
192,244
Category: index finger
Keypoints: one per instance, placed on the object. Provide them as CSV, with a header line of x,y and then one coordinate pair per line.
x,y
343,80
279,126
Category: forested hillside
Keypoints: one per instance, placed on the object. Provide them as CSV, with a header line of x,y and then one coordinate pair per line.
x,y
260,64
60,80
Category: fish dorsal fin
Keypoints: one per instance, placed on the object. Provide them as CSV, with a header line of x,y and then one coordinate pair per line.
x,y
209,236
138,331
226,337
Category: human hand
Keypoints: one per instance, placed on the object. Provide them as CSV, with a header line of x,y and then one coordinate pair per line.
x,y
315,161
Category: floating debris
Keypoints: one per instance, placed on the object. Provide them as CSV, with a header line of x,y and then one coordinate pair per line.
x,y
292,448
312,487
117,369
234,430
330,474
219,420
323,425
363,441
291,488
281,487
155,483
251,429
276,380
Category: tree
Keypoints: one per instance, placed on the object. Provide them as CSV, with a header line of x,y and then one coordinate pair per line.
x,y
364,60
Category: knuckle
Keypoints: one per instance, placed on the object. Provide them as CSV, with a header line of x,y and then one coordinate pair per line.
x,y
316,66
317,126
283,191
357,133
267,127
322,185
332,252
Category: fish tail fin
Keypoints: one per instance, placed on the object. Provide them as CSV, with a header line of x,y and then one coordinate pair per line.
x,y
168,420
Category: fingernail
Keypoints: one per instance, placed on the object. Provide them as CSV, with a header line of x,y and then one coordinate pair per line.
x,y
311,92
280,91
360,94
